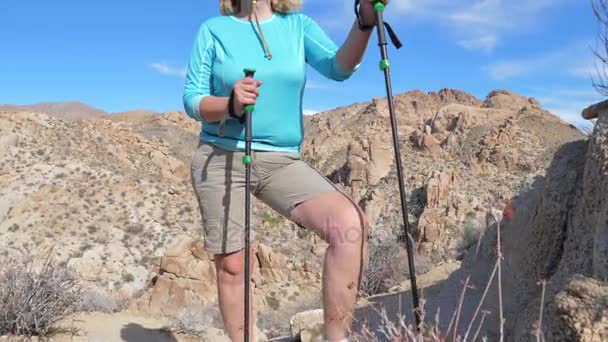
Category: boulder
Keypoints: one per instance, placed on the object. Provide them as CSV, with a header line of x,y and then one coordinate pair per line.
x,y
170,168
580,311
307,325
171,293
504,99
431,145
439,188
186,277
381,161
189,268
8,142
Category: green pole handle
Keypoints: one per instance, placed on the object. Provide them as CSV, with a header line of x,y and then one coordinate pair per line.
x,y
379,6
249,72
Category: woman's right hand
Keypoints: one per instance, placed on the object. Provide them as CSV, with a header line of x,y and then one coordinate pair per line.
x,y
245,93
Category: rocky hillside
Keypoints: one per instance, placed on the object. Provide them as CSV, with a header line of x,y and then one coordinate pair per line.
x,y
462,156
111,195
555,231
112,199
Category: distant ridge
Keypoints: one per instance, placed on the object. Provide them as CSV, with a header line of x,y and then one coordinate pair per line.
x,y
69,111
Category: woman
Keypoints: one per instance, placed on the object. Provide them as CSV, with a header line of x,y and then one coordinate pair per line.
x,y
269,36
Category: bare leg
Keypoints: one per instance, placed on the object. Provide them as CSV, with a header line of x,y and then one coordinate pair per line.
x,y
340,222
231,290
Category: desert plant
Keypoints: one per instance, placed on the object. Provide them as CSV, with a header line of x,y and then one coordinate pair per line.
x,y
95,301
194,320
135,229
128,277
35,293
271,220
400,331
383,269
471,233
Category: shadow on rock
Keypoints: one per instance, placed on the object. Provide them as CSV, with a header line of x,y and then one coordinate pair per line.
x,y
534,229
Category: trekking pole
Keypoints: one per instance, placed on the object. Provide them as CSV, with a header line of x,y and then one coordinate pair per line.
x,y
385,66
249,72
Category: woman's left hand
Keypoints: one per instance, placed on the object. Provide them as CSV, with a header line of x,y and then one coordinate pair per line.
x,y
367,13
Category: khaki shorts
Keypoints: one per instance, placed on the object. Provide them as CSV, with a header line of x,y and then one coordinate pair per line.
x,y
280,179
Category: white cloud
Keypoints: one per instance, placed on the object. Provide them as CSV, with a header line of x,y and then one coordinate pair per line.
x,y
565,61
310,111
165,69
485,42
419,7
585,70
485,21
314,85
504,70
568,103
474,24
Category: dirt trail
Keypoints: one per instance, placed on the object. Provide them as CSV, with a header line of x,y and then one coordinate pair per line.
x,y
120,327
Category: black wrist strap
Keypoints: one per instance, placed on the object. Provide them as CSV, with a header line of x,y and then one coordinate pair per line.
x,y
232,111
391,33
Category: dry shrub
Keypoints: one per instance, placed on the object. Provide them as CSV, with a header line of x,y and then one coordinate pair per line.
x,y
388,267
399,331
194,320
384,269
35,295
95,301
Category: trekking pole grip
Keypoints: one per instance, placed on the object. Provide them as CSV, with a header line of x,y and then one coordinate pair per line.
x,y
249,72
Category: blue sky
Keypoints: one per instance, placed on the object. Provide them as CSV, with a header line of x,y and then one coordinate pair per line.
x,y
122,55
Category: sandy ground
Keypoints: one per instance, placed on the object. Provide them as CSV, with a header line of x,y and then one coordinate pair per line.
x,y
119,327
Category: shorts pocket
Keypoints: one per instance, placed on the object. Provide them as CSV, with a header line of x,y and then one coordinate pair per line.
x,y
277,158
200,155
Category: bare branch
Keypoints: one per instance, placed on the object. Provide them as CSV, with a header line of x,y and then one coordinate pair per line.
x,y
600,82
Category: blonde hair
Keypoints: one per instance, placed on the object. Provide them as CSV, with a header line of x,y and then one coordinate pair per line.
x,y
281,6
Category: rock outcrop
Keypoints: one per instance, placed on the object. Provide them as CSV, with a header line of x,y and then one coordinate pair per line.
x,y
554,230
186,277
435,218
580,311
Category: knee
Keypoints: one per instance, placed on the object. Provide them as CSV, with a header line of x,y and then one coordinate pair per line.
x,y
350,226
231,265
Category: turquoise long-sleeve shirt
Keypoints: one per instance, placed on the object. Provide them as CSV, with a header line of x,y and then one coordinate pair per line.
x,y
225,45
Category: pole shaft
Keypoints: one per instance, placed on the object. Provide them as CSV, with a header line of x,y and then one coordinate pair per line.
x,y
247,225
408,242
247,162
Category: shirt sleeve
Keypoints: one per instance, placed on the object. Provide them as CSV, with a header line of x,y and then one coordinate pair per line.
x,y
320,52
199,80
